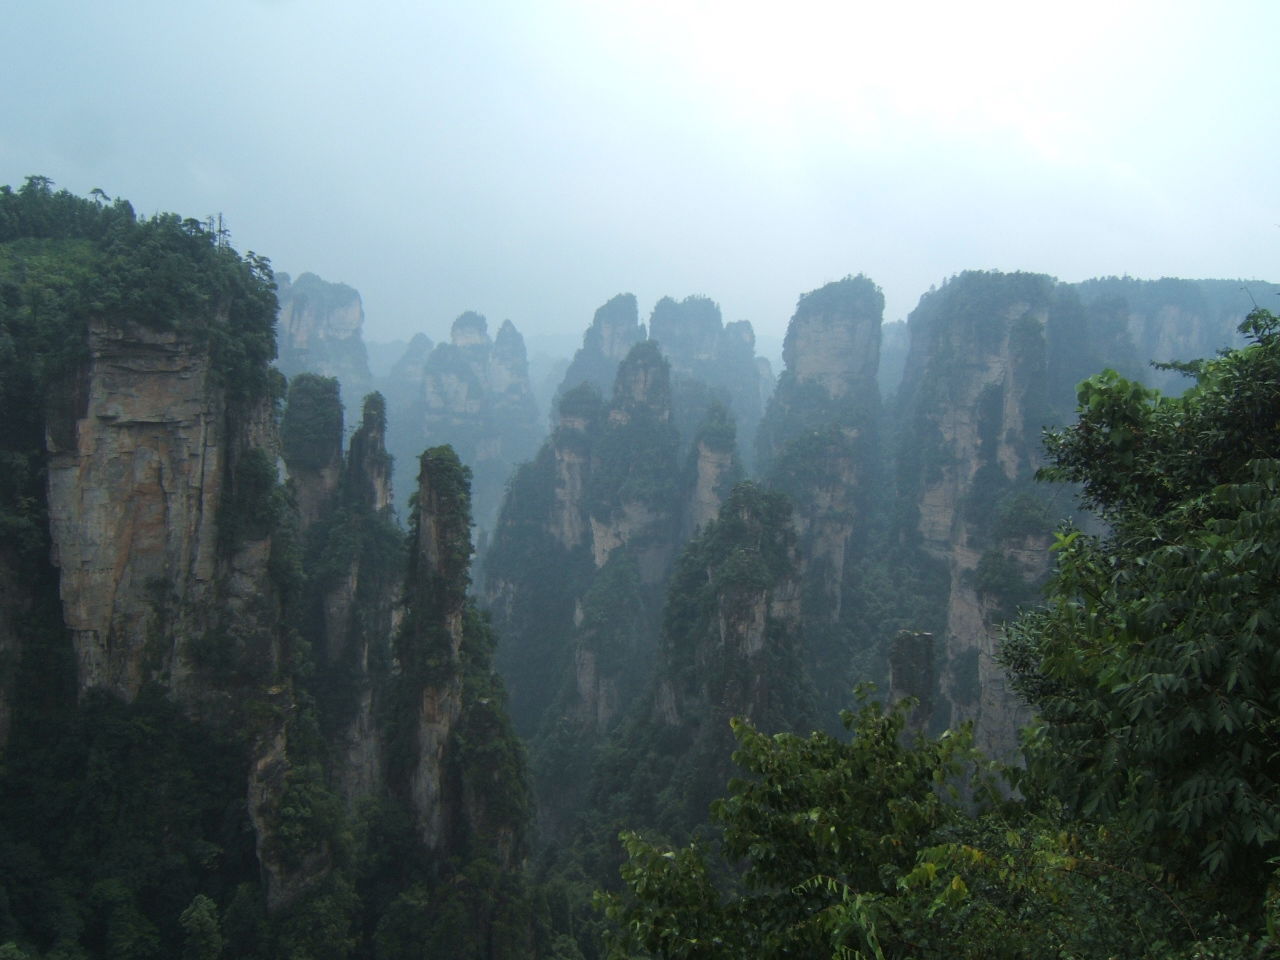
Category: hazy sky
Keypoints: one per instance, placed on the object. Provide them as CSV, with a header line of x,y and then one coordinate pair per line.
x,y
531,159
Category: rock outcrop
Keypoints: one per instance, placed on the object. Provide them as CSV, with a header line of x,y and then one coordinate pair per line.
x,y
605,490
472,393
321,330
152,489
714,468
456,762
614,330
1137,323
818,443
354,552
711,362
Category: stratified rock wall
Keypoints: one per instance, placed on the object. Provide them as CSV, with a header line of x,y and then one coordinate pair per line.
x,y
136,484
160,497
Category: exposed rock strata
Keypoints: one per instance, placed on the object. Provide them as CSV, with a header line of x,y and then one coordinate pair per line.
x,y
136,484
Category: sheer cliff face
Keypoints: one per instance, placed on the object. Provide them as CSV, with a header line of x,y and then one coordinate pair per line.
x,y
715,468
1168,320
974,394
320,330
137,483
161,501
833,341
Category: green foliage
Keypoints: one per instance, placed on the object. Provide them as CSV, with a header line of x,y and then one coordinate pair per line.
x,y
635,458
253,502
482,914
861,846
203,931
320,926
113,820
311,430
1152,665
68,260
487,757
853,295
823,831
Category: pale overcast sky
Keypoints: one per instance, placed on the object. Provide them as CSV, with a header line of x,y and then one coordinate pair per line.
x,y
531,159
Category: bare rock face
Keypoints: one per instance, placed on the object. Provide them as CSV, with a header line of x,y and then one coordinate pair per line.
x,y
833,340
714,470
568,523
159,491
1139,322
136,484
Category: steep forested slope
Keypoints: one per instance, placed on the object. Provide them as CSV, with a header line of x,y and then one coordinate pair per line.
x,y
234,722
1145,824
